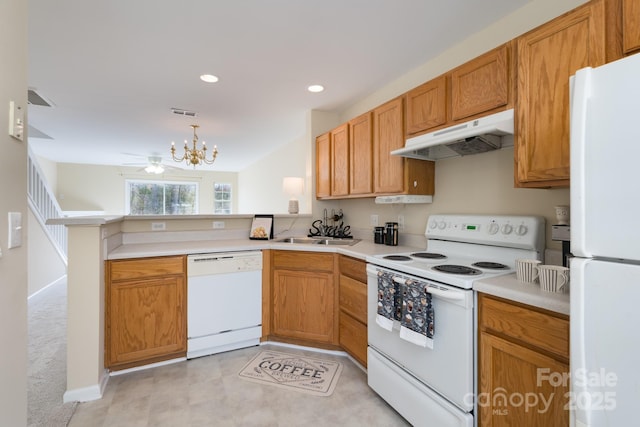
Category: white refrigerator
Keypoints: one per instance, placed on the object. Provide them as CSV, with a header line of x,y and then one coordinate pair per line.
x,y
605,240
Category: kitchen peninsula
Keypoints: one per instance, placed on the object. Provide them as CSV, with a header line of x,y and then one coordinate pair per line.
x,y
94,240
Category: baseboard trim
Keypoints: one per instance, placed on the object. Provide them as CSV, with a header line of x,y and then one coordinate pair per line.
x,y
86,394
58,280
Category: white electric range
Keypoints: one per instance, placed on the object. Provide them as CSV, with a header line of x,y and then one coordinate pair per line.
x,y
424,366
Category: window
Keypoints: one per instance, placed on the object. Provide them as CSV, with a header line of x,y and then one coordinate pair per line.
x,y
221,198
161,197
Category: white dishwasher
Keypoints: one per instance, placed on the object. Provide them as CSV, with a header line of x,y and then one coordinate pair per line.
x,y
224,302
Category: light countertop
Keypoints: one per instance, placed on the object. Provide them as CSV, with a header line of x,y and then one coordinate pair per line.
x,y
360,250
506,286
509,287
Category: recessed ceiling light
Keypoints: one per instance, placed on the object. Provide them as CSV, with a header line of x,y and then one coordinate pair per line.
x,y
209,78
315,88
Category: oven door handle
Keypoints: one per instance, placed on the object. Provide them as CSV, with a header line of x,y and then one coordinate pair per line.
x,y
440,293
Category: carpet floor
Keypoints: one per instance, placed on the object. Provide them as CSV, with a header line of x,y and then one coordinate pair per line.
x,y
47,371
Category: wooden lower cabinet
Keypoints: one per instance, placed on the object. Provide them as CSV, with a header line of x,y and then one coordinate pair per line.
x,y
353,308
146,311
304,297
523,364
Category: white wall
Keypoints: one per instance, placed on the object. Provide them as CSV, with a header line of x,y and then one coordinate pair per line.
x,y
260,185
49,171
13,188
44,263
82,187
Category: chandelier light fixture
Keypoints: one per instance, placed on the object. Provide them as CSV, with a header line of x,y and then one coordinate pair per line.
x,y
194,156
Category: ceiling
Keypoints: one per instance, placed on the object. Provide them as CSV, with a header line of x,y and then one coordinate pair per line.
x,y
114,69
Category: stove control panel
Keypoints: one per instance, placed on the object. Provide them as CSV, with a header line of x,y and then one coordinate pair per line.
x,y
518,231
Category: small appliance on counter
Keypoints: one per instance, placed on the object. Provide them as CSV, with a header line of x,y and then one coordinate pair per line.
x,y
562,232
391,233
378,235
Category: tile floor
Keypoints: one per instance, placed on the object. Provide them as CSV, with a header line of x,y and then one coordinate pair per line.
x,y
207,392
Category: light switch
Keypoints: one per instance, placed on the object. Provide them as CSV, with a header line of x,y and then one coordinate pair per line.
x,y
16,121
15,229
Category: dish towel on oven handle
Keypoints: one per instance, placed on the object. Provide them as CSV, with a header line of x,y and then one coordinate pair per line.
x,y
389,301
416,325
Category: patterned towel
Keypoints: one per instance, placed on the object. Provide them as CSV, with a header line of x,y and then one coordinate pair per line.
x,y
417,314
389,301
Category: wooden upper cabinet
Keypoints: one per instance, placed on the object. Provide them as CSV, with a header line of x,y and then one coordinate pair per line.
x,y
388,135
323,165
361,155
631,26
547,57
427,106
340,160
482,84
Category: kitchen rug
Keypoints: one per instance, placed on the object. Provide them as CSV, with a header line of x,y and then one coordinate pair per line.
x,y
294,372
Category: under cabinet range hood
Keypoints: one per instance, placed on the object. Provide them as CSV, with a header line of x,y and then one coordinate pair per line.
x,y
476,136
401,199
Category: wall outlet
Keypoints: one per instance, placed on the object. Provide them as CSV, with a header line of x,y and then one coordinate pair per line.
x,y
401,222
158,226
218,224
373,220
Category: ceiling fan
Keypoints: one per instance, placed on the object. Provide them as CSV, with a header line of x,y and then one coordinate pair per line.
x,y
153,166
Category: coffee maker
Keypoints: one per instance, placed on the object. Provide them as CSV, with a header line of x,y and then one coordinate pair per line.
x,y
562,232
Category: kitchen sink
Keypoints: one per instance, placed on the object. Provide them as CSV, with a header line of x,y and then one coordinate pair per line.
x,y
307,240
329,241
343,242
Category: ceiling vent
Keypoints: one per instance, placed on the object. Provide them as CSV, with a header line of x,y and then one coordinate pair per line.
x,y
34,98
36,133
182,112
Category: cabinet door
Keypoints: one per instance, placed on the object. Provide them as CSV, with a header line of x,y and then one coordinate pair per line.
x,y
146,319
340,161
353,338
482,84
519,386
323,166
631,25
361,155
547,57
388,135
427,106
304,305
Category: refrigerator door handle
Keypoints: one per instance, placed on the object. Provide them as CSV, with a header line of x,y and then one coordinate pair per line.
x,y
580,87
577,350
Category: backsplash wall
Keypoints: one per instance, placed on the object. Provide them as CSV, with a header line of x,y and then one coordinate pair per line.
x,y
477,184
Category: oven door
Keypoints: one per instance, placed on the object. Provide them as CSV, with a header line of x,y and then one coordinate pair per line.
x,y
448,367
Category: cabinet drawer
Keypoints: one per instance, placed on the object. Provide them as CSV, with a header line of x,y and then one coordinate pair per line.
x,y
146,267
353,298
540,329
354,268
353,337
296,260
